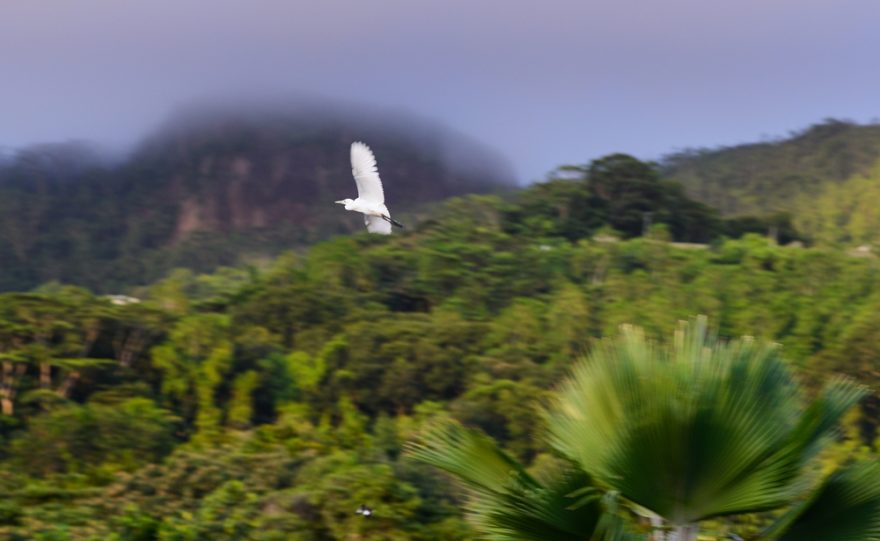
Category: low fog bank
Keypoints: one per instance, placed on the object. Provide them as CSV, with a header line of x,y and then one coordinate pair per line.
x,y
285,119
306,116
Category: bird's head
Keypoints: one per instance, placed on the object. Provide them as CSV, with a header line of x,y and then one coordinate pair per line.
x,y
346,202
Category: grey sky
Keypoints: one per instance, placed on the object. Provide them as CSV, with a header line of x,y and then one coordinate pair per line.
x,y
545,83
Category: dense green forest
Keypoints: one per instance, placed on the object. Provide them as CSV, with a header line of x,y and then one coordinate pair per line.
x,y
268,402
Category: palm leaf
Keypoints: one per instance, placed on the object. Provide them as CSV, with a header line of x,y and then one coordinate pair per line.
x,y
845,508
508,504
699,429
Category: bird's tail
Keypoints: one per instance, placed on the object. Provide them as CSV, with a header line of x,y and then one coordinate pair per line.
x,y
393,221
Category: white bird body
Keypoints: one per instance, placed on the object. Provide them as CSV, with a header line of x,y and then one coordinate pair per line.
x,y
371,198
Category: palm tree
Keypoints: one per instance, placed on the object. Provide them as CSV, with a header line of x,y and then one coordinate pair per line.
x,y
697,429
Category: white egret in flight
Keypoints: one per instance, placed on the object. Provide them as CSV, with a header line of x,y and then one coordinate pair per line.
x,y
371,199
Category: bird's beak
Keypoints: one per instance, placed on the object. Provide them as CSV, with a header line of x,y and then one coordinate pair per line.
x,y
339,202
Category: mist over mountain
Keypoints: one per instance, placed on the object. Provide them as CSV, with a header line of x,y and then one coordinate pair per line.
x,y
218,182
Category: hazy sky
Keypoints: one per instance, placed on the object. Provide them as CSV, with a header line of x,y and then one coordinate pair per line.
x,y
544,82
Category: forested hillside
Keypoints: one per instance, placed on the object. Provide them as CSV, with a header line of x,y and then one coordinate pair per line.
x,y
216,185
824,177
270,403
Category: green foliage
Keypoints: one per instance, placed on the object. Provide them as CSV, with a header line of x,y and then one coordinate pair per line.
x,y
94,439
285,391
617,191
696,430
685,432
820,185
241,403
127,230
845,508
843,213
194,363
509,504
763,178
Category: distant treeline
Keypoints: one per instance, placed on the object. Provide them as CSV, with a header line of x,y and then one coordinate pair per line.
x,y
825,177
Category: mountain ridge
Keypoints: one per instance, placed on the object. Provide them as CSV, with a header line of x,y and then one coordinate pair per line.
x,y
767,177
261,175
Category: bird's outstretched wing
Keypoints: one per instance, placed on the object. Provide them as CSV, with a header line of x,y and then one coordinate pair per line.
x,y
376,224
363,167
